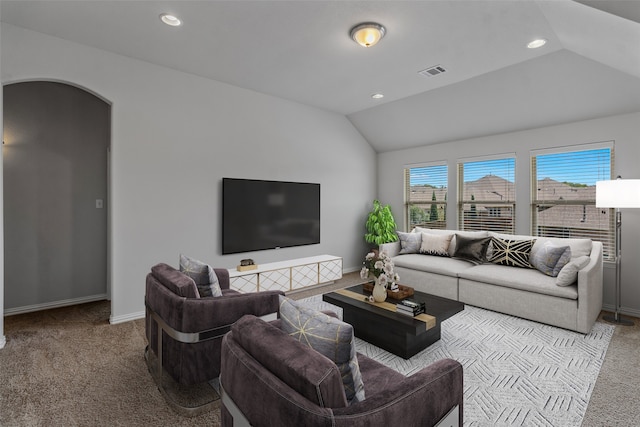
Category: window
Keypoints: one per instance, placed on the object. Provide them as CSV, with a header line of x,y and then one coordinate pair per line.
x,y
486,194
426,196
564,194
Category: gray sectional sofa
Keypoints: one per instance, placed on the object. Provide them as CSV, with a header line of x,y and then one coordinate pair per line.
x,y
524,292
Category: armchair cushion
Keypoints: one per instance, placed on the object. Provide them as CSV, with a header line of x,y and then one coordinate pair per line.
x,y
202,274
330,337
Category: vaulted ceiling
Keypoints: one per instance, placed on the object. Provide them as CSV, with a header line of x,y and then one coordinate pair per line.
x,y
301,51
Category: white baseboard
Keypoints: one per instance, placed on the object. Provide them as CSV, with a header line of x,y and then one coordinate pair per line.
x,y
53,304
114,320
3,341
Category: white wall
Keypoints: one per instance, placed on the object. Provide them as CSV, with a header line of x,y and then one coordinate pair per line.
x,y
623,130
175,135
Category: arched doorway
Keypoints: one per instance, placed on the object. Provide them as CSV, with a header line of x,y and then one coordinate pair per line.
x,y
55,175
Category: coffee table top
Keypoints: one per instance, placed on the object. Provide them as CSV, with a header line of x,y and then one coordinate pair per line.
x,y
437,308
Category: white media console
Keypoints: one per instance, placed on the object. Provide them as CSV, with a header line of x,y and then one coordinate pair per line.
x,y
288,275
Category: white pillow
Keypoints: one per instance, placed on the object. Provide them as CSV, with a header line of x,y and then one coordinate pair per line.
x,y
569,273
435,244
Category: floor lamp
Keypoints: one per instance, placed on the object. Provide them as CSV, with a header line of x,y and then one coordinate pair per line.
x,y
619,194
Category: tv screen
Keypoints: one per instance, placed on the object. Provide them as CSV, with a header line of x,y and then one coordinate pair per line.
x,y
259,215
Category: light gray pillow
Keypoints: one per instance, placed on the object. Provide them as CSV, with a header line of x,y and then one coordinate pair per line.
x,y
204,276
435,244
328,336
409,242
569,273
550,259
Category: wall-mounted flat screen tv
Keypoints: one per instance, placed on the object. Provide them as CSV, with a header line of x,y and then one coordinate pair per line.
x,y
259,215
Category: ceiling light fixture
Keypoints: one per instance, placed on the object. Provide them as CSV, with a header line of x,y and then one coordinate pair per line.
x,y
170,20
536,43
377,96
367,34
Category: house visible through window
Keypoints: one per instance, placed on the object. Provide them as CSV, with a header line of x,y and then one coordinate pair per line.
x,y
486,194
426,196
564,194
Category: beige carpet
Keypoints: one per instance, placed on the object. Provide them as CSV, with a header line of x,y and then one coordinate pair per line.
x,y
69,367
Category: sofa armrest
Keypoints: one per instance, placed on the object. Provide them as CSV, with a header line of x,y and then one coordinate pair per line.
x,y
208,313
392,249
424,398
590,289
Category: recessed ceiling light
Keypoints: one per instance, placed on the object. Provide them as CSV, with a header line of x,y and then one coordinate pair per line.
x,y
170,20
536,43
377,96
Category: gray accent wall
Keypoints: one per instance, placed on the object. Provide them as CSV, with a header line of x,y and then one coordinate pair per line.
x,y
55,169
623,130
175,136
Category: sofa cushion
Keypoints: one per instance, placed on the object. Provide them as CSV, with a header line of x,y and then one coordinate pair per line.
x,y
302,368
409,242
329,336
202,274
514,253
435,244
473,249
432,264
550,259
525,279
569,273
177,282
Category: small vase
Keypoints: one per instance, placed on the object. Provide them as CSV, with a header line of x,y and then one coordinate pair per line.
x,y
379,292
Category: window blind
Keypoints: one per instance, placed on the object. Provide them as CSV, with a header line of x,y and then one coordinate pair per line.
x,y
486,194
564,195
426,196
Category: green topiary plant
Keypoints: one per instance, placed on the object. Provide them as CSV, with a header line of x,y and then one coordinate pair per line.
x,y
381,227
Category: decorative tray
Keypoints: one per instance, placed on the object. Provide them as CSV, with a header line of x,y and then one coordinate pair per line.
x,y
402,292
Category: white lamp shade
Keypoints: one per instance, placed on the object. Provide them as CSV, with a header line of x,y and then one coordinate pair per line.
x,y
618,193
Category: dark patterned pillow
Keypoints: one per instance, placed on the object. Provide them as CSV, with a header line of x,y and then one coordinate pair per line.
x,y
472,249
409,242
204,276
514,253
435,244
328,336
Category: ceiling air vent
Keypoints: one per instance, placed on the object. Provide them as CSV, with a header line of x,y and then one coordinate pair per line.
x,y
433,71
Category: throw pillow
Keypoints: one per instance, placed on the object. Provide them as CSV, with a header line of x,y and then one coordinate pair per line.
x,y
328,336
435,244
514,253
204,276
409,242
564,259
569,273
548,258
472,249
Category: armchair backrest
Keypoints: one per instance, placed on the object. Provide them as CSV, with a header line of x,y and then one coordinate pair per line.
x,y
273,377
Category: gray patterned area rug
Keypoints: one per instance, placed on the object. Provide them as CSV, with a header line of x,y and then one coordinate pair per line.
x,y
516,372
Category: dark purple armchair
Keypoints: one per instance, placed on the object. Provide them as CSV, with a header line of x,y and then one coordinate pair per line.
x,y
271,379
189,328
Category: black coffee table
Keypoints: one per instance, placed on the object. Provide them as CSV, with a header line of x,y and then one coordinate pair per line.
x,y
401,335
